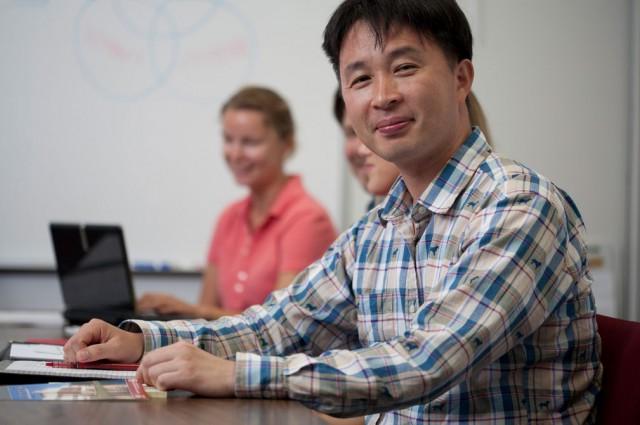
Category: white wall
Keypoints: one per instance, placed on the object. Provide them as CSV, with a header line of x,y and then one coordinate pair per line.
x,y
632,277
554,76
109,113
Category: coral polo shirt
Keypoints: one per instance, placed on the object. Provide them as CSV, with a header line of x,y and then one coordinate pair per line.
x,y
295,233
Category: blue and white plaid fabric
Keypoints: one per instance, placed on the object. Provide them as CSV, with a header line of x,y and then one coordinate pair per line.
x,y
472,304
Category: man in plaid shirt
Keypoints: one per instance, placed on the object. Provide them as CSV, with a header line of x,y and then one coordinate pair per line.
x,y
464,297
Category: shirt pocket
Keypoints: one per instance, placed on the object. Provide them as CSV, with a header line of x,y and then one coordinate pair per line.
x,y
383,316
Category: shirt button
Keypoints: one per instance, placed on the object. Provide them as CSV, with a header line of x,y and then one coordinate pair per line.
x,y
419,213
412,308
242,275
238,288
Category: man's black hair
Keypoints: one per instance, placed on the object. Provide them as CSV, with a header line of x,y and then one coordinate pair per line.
x,y
441,21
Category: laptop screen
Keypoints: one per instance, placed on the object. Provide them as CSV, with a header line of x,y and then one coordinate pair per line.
x,y
92,267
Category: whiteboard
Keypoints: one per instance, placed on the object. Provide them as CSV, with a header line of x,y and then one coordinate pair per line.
x,y
110,114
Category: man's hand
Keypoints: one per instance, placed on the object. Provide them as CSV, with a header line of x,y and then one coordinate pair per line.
x,y
164,303
98,340
186,367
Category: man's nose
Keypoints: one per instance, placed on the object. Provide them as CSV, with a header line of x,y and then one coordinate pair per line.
x,y
386,93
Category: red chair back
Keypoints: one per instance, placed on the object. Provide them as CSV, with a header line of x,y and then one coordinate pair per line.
x,y
619,400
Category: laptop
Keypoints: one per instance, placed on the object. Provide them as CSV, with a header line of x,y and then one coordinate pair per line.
x,y
93,270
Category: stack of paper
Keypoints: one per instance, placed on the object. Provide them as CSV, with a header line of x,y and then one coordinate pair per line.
x,y
30,351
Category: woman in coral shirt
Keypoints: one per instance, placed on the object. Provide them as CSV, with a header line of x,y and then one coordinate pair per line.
x,y
262,241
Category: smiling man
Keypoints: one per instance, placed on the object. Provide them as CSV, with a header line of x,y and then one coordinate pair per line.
x,y
464,297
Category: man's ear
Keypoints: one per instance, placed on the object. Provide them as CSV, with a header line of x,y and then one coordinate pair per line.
x,y
464,78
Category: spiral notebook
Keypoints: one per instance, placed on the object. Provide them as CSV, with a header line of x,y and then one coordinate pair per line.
x,y
29,367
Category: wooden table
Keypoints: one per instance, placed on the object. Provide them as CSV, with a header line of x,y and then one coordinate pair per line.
x,y
171,411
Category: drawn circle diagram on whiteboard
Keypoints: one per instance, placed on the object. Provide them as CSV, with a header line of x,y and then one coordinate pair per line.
x,y
128,50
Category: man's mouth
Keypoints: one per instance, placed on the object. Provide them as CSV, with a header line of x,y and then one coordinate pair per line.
x,y
392,126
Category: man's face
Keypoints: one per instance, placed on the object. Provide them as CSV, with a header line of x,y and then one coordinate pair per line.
x,y
403,99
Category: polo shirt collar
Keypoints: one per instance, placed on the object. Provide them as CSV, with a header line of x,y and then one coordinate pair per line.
x,y
443,191
290,192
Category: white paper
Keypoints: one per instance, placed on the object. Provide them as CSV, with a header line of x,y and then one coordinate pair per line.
x,y
40,368
36,352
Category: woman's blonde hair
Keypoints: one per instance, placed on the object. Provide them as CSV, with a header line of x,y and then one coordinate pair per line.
x,y
477,117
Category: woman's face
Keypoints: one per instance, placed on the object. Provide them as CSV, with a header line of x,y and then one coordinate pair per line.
x,y
351,146
252,149
380,174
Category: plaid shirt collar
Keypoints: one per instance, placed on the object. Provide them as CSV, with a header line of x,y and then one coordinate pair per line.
x,y
443,191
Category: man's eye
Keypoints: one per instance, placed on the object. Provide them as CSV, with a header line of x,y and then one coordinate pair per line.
x,y
359,80
406,68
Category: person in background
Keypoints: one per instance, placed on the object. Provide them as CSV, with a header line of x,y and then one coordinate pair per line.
x,y
262,241
351,141
465,297
477,117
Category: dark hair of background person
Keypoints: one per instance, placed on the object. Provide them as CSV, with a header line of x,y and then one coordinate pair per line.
x,y
441,21
338,106
274,108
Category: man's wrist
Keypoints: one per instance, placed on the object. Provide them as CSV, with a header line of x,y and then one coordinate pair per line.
x,y
134,338
141,327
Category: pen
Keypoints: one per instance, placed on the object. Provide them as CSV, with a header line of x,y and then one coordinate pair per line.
x,y
41,341
95,365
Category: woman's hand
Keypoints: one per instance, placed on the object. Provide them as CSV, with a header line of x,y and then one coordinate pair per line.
x,y
186,367
164,303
